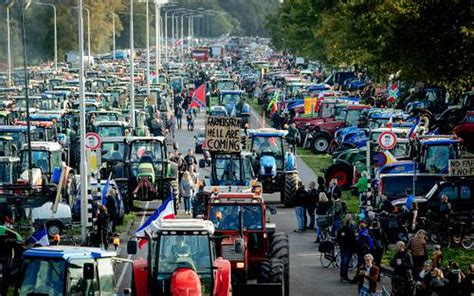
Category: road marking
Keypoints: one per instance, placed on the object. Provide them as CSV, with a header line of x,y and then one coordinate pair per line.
x,y
125,266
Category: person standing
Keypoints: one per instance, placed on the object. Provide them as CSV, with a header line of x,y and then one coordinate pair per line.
x,y
366,276
338,213
334,190
112,209
186,188
311,202
179,116
365,243
190,159
300,199
417,247
347,241
322,209
380,241
362,185
402,265
172,126
103,226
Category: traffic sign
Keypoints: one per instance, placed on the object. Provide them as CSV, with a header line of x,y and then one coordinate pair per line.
x,y
93,141
387,140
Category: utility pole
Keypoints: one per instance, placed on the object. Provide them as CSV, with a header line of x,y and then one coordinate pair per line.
x,y
9,49
147,33
113,35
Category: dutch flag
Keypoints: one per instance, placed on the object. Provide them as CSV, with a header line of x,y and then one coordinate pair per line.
x,y
165,211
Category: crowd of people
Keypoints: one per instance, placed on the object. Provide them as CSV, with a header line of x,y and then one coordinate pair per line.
x,y
414,268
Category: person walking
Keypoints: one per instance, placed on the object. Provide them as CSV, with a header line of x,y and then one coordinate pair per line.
x,y
365,243
190,121
402,265
179,116
102,223
362,185
347,241
417,248
366,276
190,159
300,199
311,201
380,241
172,126
186,188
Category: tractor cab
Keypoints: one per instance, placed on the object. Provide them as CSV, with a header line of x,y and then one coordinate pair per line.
x,y
110,128
19,134
66,270
45,130
46,156
231,169
247,240
181,258
7,146
234,103
113,150
9,169
434,152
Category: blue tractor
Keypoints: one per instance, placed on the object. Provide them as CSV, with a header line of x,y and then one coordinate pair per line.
x,y
67,270
235,105
274,163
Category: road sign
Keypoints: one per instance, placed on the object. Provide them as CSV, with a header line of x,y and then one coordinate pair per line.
x,y
93,141
461,167
387,140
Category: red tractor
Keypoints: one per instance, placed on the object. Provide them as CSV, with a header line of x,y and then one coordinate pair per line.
x,y
181,261
320,136
465,130
252,246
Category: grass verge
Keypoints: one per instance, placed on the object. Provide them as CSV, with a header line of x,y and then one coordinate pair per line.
x,y
127,220
319,163
461,256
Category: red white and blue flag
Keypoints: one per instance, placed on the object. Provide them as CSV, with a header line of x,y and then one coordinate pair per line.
x,y
199,97
165,211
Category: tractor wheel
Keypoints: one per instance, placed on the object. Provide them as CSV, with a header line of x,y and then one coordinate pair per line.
x,y
321,143
291,184
342,172
170,187
272,271
280,249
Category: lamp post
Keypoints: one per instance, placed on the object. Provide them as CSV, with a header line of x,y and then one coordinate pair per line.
x,y
132,69
113,35
88,34
182,32
157,37
166,28
8,5
55,34
174,28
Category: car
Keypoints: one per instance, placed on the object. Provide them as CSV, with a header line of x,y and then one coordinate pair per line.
x,y
218,111
200,138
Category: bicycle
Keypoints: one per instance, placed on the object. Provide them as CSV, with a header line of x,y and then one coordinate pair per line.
x,y
383,291
330,256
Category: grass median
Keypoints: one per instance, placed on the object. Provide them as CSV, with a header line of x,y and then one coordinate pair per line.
x,y
319,163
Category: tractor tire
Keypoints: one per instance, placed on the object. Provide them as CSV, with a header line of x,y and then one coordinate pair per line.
x,y
280,249
291,185
272,271
321,143
170,187
342,172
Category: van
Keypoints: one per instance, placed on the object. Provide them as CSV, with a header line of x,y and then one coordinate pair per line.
x,y
394,186
460,193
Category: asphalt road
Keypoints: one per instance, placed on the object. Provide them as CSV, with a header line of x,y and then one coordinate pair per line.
x,y
307,277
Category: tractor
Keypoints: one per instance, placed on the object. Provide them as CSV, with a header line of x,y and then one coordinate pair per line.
x,y
253,247
181,261
230,172
147,173
235,105
274,162
66,270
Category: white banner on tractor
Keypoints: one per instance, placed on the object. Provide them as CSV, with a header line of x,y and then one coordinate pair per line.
x,y
461,167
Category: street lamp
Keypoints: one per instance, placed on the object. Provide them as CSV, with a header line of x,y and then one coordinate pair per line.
x,y
88,34
176,11
55,34
172,4
8,5
182,32
132,69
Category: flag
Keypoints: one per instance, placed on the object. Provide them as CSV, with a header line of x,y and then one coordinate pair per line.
x,y
389,157
272,105
105,190
412,132
390,122
40,237
165,211
199,97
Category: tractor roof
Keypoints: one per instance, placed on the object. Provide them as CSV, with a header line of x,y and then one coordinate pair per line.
x,y
68,252
184,225
237,198
267,132
4,159
110,123
49,146
15,129
438,140
144,139
231,91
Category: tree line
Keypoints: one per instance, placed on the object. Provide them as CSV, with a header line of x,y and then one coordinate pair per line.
x,y
423,40
230,16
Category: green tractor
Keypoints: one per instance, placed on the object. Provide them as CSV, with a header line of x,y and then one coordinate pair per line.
x,y
147,174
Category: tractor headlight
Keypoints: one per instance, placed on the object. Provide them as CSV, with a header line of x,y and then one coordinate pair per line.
x,y
240,265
